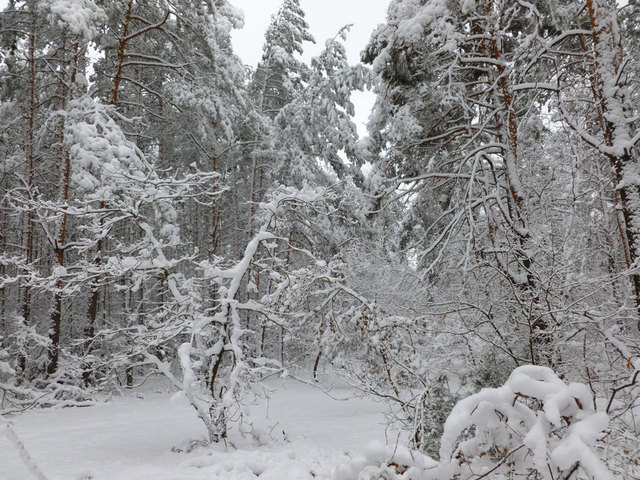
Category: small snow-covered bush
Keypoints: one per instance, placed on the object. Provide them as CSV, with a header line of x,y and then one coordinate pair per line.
x,y
390,462
535,426
432,410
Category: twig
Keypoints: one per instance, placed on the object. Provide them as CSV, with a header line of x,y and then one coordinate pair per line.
x,y
616,390
500,463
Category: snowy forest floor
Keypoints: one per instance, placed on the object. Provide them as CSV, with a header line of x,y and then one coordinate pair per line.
x,y
144,435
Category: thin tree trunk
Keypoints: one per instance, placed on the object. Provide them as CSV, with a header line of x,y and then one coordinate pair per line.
x,y
94,299
214,239
507,130
60,247
608,62
4,229
25,308
122,45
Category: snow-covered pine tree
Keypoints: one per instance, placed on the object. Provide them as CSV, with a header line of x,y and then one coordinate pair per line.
x,y
315,138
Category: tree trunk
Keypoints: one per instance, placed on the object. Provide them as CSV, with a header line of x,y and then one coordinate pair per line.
x,y
59,248
506,121
608,91
25,307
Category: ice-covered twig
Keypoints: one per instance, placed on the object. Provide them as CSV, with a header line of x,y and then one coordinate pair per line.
x,y
633,360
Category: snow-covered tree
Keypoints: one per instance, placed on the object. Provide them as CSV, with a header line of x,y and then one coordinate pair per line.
x,y
315,129
280,72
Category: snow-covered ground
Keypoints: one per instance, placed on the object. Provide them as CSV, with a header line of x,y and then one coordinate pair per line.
x,y
145,438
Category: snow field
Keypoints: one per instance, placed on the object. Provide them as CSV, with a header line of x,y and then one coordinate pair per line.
x,y
146,439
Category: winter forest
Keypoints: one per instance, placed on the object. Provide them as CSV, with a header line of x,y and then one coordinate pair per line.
x,y
471,267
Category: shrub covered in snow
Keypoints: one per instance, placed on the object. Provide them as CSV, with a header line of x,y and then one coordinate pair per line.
x,y
534,426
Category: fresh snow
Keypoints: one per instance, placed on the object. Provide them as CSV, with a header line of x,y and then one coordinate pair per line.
x,y
311,435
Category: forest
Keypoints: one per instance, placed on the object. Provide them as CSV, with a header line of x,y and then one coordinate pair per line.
x,y
473,262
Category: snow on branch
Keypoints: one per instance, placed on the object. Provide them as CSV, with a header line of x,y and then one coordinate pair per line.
x,y
535,422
